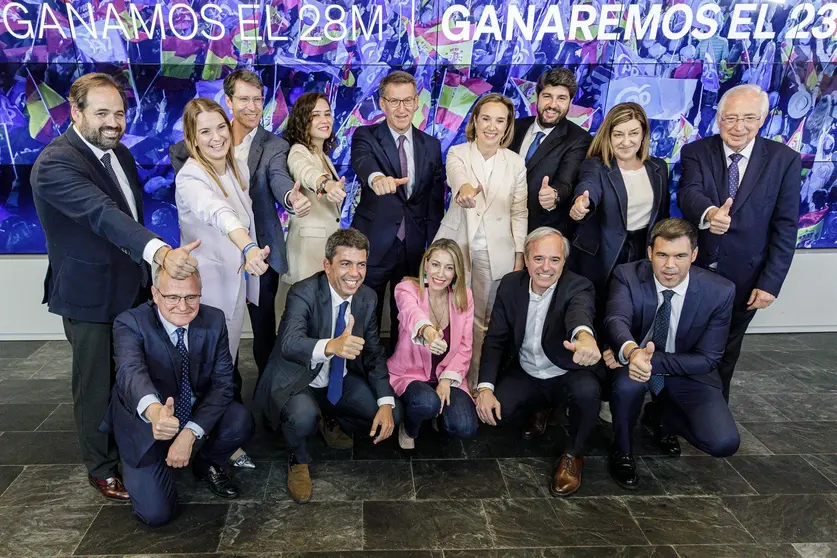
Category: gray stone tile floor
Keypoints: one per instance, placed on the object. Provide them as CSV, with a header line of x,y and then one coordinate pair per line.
x,y
485,498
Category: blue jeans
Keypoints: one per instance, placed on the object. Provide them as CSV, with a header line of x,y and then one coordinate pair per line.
x,y
421,403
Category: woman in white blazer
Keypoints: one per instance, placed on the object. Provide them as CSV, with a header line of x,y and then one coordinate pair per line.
x,y
487,215
310,132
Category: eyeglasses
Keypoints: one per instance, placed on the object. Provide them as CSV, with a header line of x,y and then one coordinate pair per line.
x,y
732,120
174,300
259,101
393,103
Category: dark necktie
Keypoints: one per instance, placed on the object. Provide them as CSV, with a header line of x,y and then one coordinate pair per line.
x,y
183,403
732,181
405,172
144,271
661,322
535,144
338,364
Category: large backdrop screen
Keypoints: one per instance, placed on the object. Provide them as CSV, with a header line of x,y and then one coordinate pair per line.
x,y
170,52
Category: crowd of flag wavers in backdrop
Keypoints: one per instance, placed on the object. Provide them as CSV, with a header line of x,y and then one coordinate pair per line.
x,y
678,81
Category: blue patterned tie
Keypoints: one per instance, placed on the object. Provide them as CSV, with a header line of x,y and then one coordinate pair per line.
x,y
183,404
535,144
732,181
661,323
338,364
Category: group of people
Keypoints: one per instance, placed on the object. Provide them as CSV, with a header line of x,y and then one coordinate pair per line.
x,y
555,279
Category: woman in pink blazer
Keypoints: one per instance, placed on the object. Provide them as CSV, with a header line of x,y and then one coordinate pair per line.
x,y
429,366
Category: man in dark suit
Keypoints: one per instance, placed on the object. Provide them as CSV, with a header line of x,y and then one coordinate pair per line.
x,y
553,148
742,191
328,357
89,201
524,366
174,350
402,199
669,322
263,157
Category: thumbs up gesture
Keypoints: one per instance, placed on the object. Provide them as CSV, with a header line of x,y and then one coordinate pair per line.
x,y
164,424
581,206
299,202
178,262
585,350
467,196
256,260
719,219
335,190
345,345
640,365
547,195
383,185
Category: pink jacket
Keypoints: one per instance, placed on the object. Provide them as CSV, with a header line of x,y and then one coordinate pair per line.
x,y
411,361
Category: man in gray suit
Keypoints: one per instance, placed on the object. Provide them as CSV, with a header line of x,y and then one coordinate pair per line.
x,y
263,157
328,358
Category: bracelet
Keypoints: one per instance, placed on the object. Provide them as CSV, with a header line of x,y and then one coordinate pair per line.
x,y
321,186
631,352
247,248
163,259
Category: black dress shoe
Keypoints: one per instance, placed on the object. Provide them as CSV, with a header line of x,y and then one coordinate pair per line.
x,y
669,443
219,481
622,469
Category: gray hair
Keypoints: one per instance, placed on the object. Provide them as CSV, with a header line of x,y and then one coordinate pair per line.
x,y
158,276
542,232
745,88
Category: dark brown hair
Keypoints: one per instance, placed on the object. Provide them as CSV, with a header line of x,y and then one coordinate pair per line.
x,y
397,77
82,86
241,75
300,118
674,228
556,77
602,146
345,238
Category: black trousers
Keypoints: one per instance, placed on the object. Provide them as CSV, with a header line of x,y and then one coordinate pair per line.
x,y
738,327
263,319
93,377
520,394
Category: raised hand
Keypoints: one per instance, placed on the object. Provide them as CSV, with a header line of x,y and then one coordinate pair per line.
x,y
299,203
256,260
345,345
581,206
335,190
639,369
179,263
435,343
547,195
467,196
719,219
164,424
585,350
383,185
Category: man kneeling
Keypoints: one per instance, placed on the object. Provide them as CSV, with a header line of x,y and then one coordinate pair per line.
x,y
533,313
670,321
174,350
328,358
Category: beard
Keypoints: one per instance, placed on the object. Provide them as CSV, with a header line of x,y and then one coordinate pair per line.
x,y
96,135
546,125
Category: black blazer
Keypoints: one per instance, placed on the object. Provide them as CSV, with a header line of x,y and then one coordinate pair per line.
x,y
701,332
378,217
573,305
270,181
757,251
559,157
306,320
147,362
600,236
93,242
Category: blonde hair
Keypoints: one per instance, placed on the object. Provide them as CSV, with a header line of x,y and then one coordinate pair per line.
x,y
471,128
602,146
190,133
459,290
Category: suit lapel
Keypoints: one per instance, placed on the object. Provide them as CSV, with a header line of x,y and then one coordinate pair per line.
x,y
130,169
521,311
755,168
455,323
497,179
521,126
390,149
655,174
176,360
719,169
615,177
418,150
549,336
548,144
324,308
649,301
687,315
255,155
196,335
111,187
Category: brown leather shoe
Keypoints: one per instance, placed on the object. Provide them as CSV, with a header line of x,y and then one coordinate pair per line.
x,y
567,477
299,483
110,488
333,435
536,425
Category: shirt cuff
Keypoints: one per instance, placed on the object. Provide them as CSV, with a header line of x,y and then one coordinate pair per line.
x,y
195,428
145,403
373,176
704,224
454,377
318,355
488,385
150,249
579,329
287,203
386,401
620,356
416,339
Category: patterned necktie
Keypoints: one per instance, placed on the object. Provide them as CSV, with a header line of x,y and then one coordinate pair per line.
x,y
405,171
183,403
733,179
535,144
660,338
338,364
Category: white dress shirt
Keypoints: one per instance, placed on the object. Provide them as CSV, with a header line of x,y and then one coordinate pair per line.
x,y
147,400
411,164
242,153
480,242
676,309
318,355
530,137
640,197
533,359
745,153
153,244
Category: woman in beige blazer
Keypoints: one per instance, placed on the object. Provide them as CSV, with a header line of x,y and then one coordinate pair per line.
x,y
487,215
311,135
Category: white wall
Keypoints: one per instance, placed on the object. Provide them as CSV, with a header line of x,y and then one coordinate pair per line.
x,y
808,301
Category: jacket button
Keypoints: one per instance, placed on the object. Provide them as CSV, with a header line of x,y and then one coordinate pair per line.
x,y
338,219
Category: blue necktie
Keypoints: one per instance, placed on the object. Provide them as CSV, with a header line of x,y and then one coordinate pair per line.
x,y
183,403
732,181
535,144
661,323
338,364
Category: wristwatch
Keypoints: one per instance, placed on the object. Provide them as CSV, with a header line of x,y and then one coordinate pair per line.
x,y
321,186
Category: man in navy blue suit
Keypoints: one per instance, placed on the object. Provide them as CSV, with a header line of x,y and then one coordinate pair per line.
x,y
670,322
742,191
175,351
402,199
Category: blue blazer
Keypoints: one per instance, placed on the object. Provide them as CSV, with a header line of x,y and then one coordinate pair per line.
x,y
701,332
378,217
757,251
600,236
147,362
